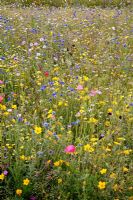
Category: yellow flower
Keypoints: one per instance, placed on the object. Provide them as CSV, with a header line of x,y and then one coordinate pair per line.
x,y
103,171
127,151
60,103
56,69
59,180
102,103
88,148
101,185
58,163
55,78
22,157
2,176
66,104
38,130
114,102
93,120
19,192
85,78
14,107
49,161
125,169
50,111
93,139
108,149
6,113
26,181
107,123
49,116
13,120
110,110
2,107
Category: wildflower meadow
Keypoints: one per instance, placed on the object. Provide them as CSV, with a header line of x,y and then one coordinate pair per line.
x,y
66,103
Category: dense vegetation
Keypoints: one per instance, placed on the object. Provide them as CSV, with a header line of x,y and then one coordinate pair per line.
x,y
58,3
66,104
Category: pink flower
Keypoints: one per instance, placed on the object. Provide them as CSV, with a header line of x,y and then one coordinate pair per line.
x,y
99,92
94,92
1,99
1,82
79,87
70,149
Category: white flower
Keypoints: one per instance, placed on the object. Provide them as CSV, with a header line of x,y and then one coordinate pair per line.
x,y
41,39
44,47
31,44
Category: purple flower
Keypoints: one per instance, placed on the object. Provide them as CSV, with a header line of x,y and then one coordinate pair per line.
x,y
101,136
54,94
5,172
33,30
43,87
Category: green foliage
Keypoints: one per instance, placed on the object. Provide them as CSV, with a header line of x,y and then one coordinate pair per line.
x,y
60,3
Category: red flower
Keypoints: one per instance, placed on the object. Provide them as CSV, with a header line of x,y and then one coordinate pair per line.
x,y
46,73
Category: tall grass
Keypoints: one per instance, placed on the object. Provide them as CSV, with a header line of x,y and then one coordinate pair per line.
x,y
59,3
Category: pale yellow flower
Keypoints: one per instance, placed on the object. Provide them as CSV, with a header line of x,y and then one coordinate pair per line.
x,y
59,180
19,192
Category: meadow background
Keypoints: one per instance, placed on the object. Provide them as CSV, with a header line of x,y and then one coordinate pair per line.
x,y
66,100
62,3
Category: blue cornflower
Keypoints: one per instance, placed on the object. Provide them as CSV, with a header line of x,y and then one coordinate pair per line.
x,y
51,83
33,30
9,28
61,82
20,119
43,87
54,94
2,58
46,124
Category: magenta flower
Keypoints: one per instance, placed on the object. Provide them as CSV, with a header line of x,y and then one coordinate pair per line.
x,y
79,87
70,149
